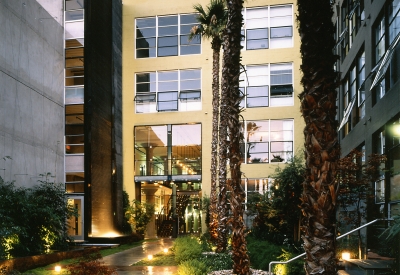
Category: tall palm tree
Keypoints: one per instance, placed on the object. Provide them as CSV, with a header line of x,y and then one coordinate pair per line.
x,y
230,99
318,107
212,22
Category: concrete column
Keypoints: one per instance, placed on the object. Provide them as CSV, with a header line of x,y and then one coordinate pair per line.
x,y
151,230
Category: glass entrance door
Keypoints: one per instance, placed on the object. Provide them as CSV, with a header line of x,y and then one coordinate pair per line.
x,y
75,224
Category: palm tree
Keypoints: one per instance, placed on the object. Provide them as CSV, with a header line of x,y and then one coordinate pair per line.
x,y
318,107
212,22
230,112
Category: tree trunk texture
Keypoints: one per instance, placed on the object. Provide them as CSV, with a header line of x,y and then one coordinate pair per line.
x,y
232,97
222,160
213,225
318,107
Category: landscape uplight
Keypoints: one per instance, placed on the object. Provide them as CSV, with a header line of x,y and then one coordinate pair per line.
x,y
345,255
57,268
149,257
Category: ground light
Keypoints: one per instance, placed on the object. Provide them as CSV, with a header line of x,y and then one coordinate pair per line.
x,y
149,257
57,268
345,255
165,250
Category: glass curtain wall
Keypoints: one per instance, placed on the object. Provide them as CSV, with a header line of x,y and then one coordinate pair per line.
x,y
168,150
74,114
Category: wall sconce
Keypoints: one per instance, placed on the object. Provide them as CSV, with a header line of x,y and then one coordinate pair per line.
x,y
345,255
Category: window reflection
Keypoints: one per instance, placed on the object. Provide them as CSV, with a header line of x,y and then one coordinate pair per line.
x,y
168,150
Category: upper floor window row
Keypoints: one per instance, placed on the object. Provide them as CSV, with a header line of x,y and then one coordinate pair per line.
x,y
166,36
267,85
163,91
352,16
268,27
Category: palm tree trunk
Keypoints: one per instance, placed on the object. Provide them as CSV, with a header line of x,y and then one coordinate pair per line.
x,y
222,195
232,97
213,225
318,107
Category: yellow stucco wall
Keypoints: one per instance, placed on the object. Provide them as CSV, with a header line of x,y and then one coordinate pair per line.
x,y
133,9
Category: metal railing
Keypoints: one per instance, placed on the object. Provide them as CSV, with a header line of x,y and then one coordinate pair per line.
x,y
341,236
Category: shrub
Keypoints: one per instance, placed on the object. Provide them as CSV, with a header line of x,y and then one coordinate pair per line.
x,y
33,219
217,261
193,267
186,248
138,215
90,264
205,242
263,252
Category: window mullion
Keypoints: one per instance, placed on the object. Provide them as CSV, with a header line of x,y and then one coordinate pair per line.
x,y
157,43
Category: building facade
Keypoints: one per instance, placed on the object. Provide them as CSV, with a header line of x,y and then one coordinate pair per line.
x,y
367,43
62,117
31,93
93,102
167,109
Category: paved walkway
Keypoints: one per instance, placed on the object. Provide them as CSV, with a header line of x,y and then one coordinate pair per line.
x,y
122,261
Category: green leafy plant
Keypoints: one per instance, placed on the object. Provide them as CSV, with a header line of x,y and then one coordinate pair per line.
x,y
33,219
263,252
139,215
186,248
217,261
277,212
193,267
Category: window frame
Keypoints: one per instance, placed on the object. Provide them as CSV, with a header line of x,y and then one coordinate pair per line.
x,y
265,137
264,24
157,37
160,83
264,79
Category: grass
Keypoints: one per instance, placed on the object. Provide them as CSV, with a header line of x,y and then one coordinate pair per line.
x,y
49,269
160,259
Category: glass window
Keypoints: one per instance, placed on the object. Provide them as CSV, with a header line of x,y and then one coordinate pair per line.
x,y
166,36
74,4
268,27
267,85
394,19
74,29
159,91
167,101
156,154
281,22
380,40
267,141
74,15
74,95
361,85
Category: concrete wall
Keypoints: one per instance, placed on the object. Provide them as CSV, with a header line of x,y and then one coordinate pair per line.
x,y
31,93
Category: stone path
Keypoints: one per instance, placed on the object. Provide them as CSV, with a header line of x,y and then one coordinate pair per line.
x,y
122,261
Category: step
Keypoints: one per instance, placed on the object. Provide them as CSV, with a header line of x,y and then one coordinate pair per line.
x,y
365,267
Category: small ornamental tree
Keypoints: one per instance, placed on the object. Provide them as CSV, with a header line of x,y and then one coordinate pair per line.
x,y
356,185
139,215
278,212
